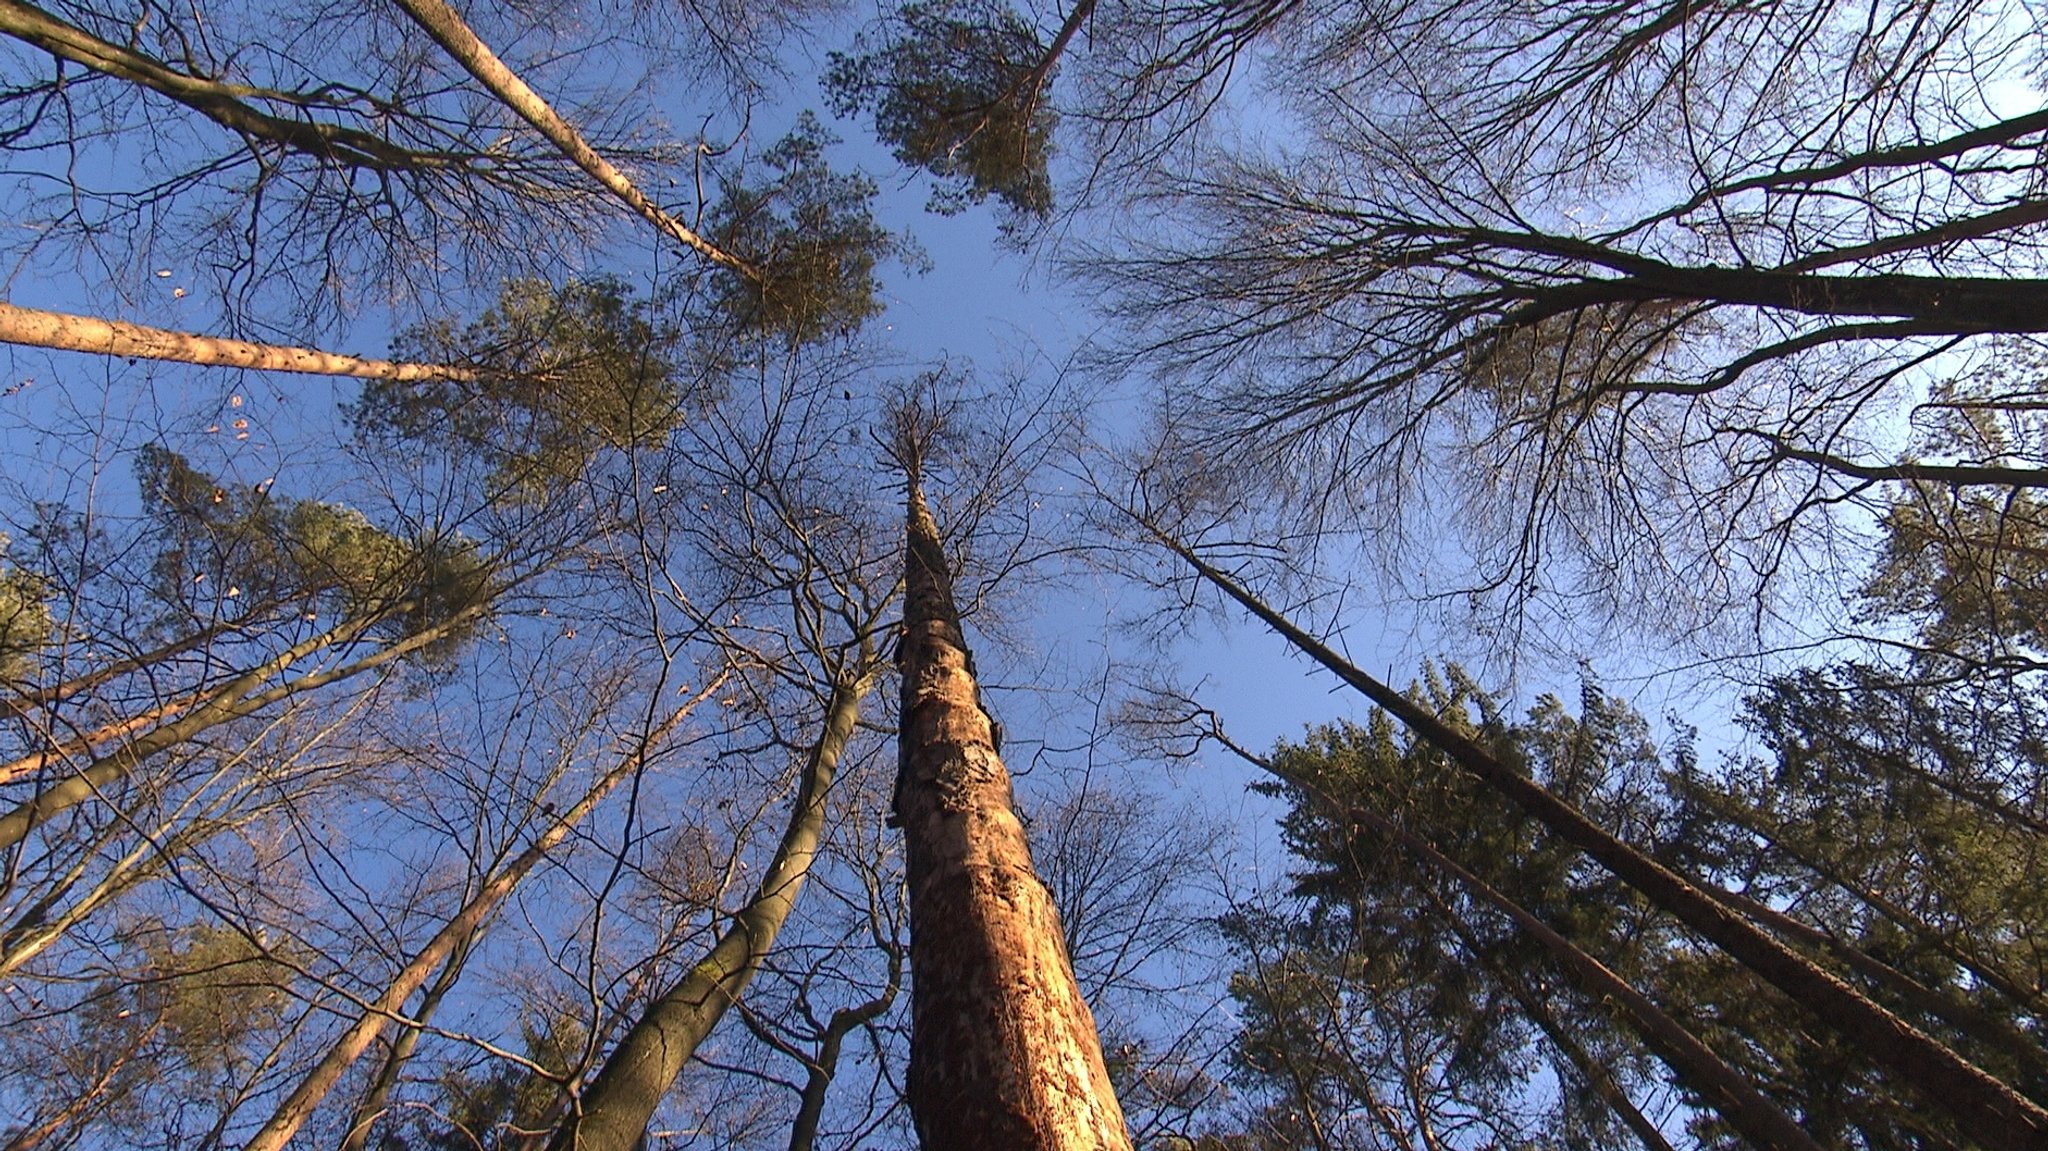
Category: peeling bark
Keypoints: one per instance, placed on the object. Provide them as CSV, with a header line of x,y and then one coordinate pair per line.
x,y
1003,1050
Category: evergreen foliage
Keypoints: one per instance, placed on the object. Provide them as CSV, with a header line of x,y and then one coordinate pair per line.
x,y
958,88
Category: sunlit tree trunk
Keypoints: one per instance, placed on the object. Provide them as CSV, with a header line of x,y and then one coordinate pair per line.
x,y
223,103
449,30
70,333
1003,1050
238,698
60,749
377,1100
24,704
459,932
613,1110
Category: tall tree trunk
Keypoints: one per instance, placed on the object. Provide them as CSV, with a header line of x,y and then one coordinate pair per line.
x,y
225,103
22,704
1696,1066
377,1100
1003,1050
1995,1033
57,748
1596,1077
446,26
1980,967
69,333
459,931
613,1110
1986,1109
36,928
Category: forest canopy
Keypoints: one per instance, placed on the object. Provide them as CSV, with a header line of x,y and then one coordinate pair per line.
x,y
1460,575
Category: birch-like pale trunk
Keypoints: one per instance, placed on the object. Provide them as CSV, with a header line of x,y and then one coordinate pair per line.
x,y
158,846
65,332
60,749
454,36
238,698
1003,1049
377,1100
23,704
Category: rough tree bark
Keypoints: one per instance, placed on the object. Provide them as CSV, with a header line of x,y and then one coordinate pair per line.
x,y
1003,1050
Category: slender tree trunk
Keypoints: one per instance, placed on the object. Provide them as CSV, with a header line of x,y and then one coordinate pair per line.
x,y
822,1064
225,104
1995,1033
1003,1050
93,335
36,929
1695,1064
1979,966
613,1110
58,750
156,846
377,1099
820,1068
30,699
447,28
293,1112
238,698
1987,1110
1596,1077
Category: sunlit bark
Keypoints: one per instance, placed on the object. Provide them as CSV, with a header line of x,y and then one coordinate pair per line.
x,y
1003,1050
447,28
612,1112
293,1112
69,333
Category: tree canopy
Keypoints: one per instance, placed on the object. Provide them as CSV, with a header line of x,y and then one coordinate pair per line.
x,y
486,489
